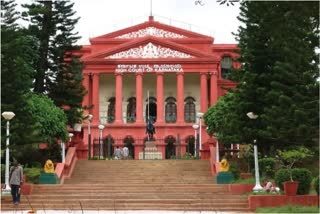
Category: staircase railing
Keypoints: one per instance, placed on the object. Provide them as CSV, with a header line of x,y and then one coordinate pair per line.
x,y
64,170
214,166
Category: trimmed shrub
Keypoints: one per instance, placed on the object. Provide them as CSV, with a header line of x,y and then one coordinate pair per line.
x,y
234,169
32,174
281,176
267,166
303,176
316,185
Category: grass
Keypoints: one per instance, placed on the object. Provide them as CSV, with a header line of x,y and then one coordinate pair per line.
x,y
288,209
244,181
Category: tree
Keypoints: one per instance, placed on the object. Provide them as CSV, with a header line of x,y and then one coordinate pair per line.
x,y
278,77
18,52
42,27
49,120
59,68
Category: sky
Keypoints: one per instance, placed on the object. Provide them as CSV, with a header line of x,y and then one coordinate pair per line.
x,y
100,17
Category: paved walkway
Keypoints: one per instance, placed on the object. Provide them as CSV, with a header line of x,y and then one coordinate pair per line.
x,y
117,212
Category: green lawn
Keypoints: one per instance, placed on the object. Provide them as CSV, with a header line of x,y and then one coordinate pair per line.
x,y
288,209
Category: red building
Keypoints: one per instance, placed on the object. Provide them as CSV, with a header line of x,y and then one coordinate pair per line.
x,y
158,71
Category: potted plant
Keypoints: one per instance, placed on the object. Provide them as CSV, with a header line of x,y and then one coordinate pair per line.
x,y
288,158
76,117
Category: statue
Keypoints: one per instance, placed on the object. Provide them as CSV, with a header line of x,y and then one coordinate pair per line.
x,y
224,165
49,167
150,129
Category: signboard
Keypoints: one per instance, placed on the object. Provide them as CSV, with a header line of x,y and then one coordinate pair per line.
x,y
133,68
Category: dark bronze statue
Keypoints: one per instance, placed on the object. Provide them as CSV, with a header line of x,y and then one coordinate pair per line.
x,y
150,129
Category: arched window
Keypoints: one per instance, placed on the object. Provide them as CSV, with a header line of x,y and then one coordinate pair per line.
x,y
152,107
171,110
189,110
226,65
111,109
131,110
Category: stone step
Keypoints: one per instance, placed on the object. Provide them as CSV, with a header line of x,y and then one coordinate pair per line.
x,y
135,185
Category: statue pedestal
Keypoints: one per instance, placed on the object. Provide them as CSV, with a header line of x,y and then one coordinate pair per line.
x,y
150,152
224,178
48,178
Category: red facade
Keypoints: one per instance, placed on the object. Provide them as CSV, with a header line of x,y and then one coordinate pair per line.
x,y
182,70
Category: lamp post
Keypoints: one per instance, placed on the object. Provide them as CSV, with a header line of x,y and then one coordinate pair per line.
x,y
200,115
90,116
195,127
7,116
101,127
257,187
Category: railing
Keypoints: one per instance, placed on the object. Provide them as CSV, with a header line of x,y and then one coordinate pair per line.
x,y
172,148
214,166
64,170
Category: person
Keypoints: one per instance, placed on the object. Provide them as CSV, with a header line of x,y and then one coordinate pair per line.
x,y
16,179
269,187
117,153
125,152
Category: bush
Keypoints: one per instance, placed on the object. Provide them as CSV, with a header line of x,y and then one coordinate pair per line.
x,y
303,176
281,176
32,174
234,169
316,185
267,166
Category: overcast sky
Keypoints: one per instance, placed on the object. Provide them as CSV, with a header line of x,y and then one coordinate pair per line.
x,y
100,17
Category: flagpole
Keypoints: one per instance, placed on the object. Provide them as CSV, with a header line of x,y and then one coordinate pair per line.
x,y
148,118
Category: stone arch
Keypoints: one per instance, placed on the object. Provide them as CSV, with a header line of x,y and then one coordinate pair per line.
x,y
190,145
128,141
170,146
151,104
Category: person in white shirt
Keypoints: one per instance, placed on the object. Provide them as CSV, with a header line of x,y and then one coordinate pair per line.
x,y
125,152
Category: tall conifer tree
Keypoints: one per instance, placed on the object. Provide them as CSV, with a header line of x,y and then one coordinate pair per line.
x,y
59,69
18,53
279,75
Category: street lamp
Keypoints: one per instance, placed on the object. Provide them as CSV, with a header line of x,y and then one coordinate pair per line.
x,y
195,127
90,116
200,115
8,115
257,187
101,127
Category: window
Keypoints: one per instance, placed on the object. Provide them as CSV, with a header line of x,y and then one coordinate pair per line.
x,y
226,65
189,110
171,110
131,110
111,109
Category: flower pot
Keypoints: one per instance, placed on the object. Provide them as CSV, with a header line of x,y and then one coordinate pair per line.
x,y
77,127
290,187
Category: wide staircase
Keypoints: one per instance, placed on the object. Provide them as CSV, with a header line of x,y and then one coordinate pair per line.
x,y
135,185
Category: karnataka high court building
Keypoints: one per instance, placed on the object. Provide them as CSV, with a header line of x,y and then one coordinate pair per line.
x,y
152,71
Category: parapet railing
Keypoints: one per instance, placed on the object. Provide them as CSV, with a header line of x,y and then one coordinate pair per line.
x,y
64,170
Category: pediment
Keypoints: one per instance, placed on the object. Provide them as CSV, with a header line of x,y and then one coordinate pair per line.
x,y
149,50
151,31
152,28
